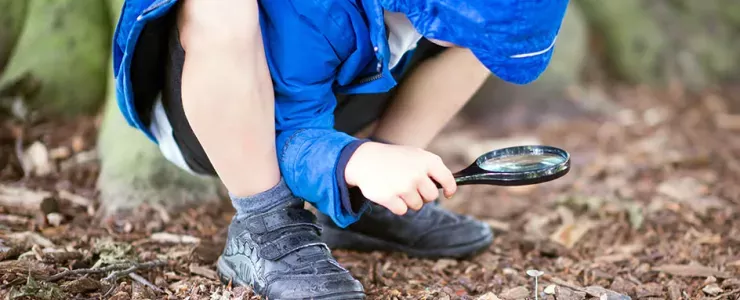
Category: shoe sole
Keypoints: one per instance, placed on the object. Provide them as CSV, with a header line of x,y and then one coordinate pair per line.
x,y
226,274
342,239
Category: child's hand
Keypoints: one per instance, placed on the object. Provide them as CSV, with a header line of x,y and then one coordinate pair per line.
x,y
398,177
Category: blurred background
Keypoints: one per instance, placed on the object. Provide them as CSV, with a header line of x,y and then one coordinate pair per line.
x,y
645,95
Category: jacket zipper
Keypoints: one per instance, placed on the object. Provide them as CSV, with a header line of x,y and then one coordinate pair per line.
x,y
370,78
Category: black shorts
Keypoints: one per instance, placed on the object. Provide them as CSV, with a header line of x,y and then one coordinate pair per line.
x,y
352,114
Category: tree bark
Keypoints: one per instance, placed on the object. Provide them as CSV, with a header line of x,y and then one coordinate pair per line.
x,y
12,16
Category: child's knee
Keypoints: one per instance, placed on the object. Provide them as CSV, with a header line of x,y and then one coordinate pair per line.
x,y
223,23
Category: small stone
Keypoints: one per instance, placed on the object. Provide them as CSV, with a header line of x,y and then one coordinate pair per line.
x,y
520,292
55,219
712,289
550,289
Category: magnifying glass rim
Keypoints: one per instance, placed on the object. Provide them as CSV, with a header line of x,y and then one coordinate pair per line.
x,y
524,177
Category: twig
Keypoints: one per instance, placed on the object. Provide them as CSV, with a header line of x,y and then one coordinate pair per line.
x,y
126,267
118,274
143,281
736,291
87,271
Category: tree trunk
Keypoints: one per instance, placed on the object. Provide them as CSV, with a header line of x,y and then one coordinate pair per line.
x,y
62,47
133,170
12,15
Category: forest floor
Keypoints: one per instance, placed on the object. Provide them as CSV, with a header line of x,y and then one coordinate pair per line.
x,y
650,210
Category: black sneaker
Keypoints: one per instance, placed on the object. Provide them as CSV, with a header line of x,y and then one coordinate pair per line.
x,y
281,256
432,232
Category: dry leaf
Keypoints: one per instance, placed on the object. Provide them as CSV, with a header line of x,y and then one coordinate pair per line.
x,y
569,234
712,289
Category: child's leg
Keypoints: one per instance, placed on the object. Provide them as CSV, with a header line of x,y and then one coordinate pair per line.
x,y
218,100
430,96
227,92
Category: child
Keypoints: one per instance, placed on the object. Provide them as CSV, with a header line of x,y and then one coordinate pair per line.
x,y
266,94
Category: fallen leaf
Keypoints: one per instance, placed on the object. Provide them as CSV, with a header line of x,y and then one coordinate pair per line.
x,y
712,289
569,234
691,270
165,237
203,271
520,292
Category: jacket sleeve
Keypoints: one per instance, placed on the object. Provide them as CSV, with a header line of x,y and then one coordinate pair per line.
x,y
311,153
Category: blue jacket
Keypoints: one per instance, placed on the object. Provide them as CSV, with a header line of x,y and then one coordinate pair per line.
x,y
315,48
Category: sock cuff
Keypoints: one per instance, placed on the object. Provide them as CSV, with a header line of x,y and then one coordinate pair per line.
x,y
264,201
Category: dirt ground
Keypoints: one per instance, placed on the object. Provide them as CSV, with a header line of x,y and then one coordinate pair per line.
x,y
650,210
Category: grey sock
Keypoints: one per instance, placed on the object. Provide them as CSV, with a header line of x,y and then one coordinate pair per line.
x,y
279,195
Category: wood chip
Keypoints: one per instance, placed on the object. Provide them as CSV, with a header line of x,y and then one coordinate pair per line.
x,y
203,271
444,263
13,219
21,197
520,292
165,237
30,238
498,225
75,199
691,270
488,296
649,290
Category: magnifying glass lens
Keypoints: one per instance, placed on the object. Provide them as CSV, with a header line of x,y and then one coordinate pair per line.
x,y
523,162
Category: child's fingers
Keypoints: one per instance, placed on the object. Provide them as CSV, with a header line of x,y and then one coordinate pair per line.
x,y
413,199
428,190
441,174
396,205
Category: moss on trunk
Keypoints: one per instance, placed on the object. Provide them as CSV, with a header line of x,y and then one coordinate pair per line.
x,y
64,46
12,16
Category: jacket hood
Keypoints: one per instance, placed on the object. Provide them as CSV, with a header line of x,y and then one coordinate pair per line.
x,y
514,39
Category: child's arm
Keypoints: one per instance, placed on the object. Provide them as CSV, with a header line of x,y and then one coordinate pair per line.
x,y
303,64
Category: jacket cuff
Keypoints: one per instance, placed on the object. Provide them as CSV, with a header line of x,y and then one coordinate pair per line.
x,y
353,205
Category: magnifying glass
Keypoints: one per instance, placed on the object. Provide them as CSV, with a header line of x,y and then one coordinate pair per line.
x,y
514,166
